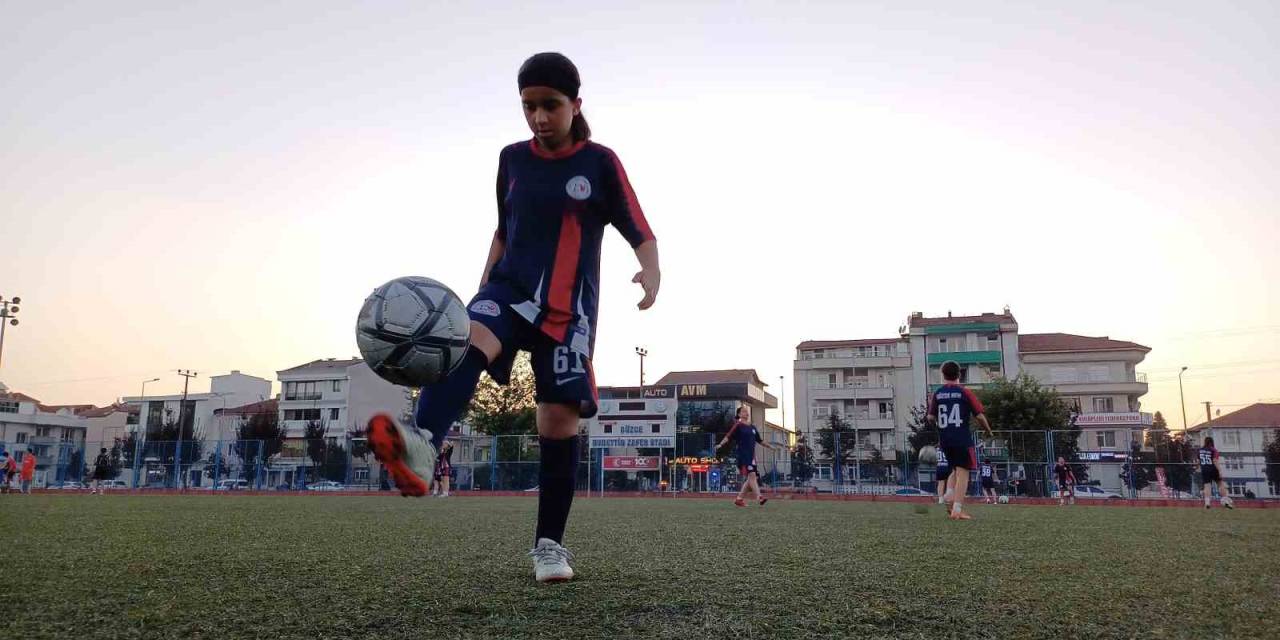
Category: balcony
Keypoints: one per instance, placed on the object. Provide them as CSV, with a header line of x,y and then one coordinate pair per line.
x,y
862,421
304,397
850,391
966,357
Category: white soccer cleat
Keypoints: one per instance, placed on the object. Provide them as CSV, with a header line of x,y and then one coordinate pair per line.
x,y
551,561
405,452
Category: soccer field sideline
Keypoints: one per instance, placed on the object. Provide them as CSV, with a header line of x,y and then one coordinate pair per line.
x,y
798,496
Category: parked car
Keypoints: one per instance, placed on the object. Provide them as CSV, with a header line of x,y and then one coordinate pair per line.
x,y
1090,491
113,484
285,487
232,485
326,485
71,486
911,491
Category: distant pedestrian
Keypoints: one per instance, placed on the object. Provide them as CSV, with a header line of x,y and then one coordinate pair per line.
x,y
28,470
101,471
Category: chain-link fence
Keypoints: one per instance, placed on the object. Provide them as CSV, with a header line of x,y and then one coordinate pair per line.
x,y
875,463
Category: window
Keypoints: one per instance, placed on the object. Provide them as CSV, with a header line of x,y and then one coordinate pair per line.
x,y
1060,375
337,386
8,407
608,428
1231,438
301,390
1072,404
68,435
21,438
1236,487
831,381
821,411
1106,439
360,475
155,415
302,414
42,432
655,428
1099,373
1233,463
1103,405
333,414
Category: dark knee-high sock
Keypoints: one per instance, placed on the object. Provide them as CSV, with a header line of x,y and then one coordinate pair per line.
x,y
442,403
557,477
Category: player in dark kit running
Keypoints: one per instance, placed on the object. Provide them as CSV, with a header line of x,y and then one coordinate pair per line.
x,y
950,407
539,291
1066,482
986,475
745,437
944,470
1211,474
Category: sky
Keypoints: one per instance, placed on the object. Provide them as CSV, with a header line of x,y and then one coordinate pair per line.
x,y
217,186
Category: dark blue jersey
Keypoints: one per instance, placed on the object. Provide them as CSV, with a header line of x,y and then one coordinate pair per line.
x,y
953,405
745,436
1207,455
552,211
985,470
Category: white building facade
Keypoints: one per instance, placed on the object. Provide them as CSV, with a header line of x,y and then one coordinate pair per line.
x,y
874,384
1241,438
56,438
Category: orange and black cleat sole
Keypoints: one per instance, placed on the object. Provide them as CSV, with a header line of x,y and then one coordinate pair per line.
x,y
388,448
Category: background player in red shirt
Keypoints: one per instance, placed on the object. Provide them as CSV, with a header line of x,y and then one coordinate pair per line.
x,y
539,292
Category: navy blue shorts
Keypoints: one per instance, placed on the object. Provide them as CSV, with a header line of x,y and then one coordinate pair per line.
x,y
1209,475
944,472
748,469
961,457
562,371
988,483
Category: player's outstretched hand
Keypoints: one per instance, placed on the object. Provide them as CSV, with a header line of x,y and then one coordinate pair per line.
x,y
649,280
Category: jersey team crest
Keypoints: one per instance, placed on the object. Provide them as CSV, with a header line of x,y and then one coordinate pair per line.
x,y
578,188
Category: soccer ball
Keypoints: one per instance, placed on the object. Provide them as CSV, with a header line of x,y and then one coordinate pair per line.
x,y
928,454
1003,500
413,331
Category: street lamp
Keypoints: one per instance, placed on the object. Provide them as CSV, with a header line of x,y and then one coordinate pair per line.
x,y
8,309
642,353
1184,403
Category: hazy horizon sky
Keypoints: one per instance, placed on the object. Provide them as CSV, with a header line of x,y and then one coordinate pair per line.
x,y
217,186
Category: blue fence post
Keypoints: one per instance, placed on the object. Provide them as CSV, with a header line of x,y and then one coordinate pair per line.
x,y
258,470
137,453
493,467
217,462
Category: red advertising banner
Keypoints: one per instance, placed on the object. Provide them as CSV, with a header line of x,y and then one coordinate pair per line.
x,y
631,463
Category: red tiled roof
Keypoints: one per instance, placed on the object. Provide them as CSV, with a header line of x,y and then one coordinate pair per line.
x,y
330,363
945,320
718,376
834,344
1261,414
265,406
14,396
108,410
1045,342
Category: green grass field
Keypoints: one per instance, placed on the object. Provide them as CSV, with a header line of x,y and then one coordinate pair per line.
x,y
387,567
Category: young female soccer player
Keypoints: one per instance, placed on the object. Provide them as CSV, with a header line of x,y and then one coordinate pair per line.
x,y
986,475
444,467
1066,482
1211,474
745,437
538,292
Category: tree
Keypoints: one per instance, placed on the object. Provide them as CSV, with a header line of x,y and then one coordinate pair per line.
x,y
164,442
215,466
835,440
923,433
1272,453
257,440
802,461
509,411
1027,413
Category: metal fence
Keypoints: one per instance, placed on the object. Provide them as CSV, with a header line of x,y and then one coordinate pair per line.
x,y
877,463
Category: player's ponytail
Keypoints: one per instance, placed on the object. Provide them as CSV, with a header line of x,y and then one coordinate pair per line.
x,y
580,130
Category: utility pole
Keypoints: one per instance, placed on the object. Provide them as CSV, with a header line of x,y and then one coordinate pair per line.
x,y
1183,399
8,309
1208,411
187,374
642,353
